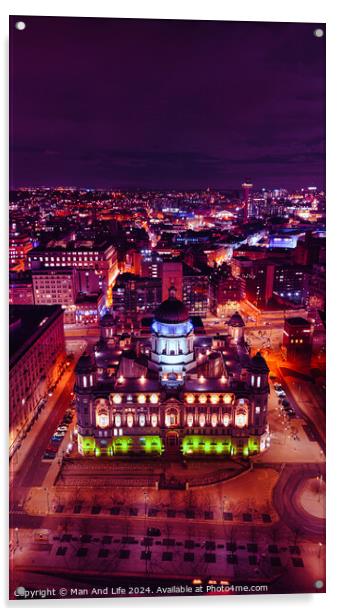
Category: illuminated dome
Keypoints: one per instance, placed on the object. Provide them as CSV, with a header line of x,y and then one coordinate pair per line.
x,y
101,346
172,310
172,341
85,364
107,320
258,363
236,320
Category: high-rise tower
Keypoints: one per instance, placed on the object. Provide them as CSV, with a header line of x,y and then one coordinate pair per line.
x,y
246,200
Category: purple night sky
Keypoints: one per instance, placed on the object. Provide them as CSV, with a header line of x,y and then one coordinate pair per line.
x,y
166,104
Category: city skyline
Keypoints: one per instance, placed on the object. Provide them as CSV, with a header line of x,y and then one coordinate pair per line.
x,y
164,104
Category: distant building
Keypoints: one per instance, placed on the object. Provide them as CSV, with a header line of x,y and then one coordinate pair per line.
x,y
246,201
297,340
260,283
133,262
151,265
21,288
89,256
310,250
19,247
315,288
136,295
57,286
228,291
289,282
37,358
172,275
89,308
196,291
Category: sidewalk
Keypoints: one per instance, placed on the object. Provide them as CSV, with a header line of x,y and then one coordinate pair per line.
x,y
19,457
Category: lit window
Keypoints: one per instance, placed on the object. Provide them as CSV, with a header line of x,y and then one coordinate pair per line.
x,y
118,420
130,420
141,399
227,399
154,398
190,399
226,420
202,420
142,420
202,398
154,420
103,420
190,420
257,409
214,399
258,381
214,420
117,398
252,380
241,418
84,381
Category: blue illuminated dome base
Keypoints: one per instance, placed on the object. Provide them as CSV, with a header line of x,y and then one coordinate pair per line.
x,y
177,330
172,341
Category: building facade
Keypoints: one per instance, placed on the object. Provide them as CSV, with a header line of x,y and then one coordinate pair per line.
x,y
57,286
37,358
89,256
19,247
298,340
21,288
182,395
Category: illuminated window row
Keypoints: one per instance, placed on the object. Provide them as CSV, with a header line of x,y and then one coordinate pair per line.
x,y
241,420
212,398
141,398
131,420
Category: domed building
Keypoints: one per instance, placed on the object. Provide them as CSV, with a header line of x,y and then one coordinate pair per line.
x,y
176,394
172,341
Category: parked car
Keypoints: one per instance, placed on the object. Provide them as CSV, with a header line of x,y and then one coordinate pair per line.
x,y
49,455
278,386
62,428
57,436
285,403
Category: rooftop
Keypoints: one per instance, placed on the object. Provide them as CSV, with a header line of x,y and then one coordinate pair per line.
x,y
172,310
27,324
298,321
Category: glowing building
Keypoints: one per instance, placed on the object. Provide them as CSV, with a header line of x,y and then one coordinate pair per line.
x,y
182,395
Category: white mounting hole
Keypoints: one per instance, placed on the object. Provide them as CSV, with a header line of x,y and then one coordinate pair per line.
x,y
318,32
20,25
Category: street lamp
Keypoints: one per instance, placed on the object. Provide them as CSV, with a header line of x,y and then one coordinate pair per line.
x,y
17,543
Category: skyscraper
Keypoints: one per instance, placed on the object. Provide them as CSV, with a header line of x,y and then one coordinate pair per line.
x,y
246,200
